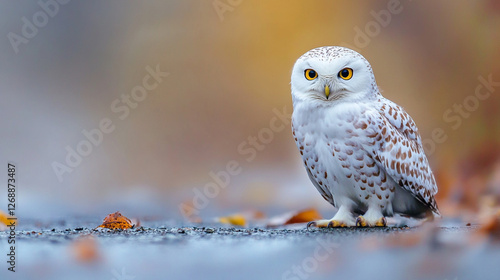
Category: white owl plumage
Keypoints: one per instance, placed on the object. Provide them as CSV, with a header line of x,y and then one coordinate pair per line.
x,y
361,151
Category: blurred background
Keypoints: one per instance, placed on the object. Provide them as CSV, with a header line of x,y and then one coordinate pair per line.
x,y
64,65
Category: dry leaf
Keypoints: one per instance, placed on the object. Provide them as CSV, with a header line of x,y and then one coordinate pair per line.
x,y
236,219
85,249
491,227
304,216
116,221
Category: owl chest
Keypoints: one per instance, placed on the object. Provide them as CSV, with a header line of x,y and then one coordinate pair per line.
x,y
334,150
329,158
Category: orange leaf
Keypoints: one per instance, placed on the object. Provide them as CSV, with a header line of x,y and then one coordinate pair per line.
x,y
116,221
236,219
4,220
491,227
85,249
304,216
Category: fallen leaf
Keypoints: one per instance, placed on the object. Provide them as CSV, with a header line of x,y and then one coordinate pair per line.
x,y
84,249
491,227
116,221
4,220
304,216
236,219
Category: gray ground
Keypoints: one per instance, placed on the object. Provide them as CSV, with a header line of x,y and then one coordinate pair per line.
x,y
166,250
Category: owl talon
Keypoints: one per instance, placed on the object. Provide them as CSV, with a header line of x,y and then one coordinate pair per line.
x,y
382,222
326,224
361,222
311,224
336,224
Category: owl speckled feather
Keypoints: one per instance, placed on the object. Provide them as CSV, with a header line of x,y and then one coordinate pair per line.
x,y
361,151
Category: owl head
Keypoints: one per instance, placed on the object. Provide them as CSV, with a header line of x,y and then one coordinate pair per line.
x,y
331,75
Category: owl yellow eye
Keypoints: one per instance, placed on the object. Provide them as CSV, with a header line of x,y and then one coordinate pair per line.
x,y
345,73
311,74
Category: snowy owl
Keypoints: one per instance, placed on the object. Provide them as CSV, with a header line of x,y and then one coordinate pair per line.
x,y
361,151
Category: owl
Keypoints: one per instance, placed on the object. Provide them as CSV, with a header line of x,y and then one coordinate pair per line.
x,y
362,152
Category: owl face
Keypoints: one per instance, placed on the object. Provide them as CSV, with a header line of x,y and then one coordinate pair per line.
x,y
332,74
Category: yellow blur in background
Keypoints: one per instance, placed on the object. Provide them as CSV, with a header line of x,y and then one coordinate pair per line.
x,y
219,90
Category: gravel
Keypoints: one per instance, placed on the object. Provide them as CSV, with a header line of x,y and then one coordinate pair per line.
x,y
166,250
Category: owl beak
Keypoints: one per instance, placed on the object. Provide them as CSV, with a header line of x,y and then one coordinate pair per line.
x,y
327,91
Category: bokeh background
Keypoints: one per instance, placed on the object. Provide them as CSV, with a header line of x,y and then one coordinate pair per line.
x,y
229,65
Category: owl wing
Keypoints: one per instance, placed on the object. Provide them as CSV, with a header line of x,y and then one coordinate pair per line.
x,y
323,189
398,150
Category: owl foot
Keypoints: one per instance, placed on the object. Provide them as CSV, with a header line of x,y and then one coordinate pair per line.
x,y
335,224
326,224
362,222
